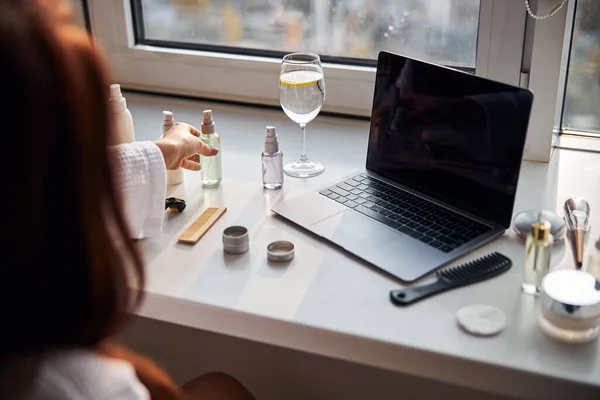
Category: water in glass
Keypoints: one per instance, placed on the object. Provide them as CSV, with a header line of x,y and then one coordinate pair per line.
x,y
301,94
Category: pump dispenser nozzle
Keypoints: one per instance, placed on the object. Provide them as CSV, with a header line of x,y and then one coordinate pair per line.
x,y
115,92
271,143
117,101
167,116
208,124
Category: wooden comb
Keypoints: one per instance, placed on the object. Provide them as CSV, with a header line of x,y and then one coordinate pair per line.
x,y
201,225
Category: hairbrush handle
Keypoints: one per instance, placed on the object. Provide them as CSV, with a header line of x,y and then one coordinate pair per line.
x,y
411,295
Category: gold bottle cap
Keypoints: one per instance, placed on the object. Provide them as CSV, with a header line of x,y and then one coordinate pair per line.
x,y
540,230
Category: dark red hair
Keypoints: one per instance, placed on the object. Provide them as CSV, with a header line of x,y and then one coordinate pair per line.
x,y
69,261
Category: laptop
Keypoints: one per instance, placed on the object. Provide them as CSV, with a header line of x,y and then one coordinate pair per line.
x,y
442,166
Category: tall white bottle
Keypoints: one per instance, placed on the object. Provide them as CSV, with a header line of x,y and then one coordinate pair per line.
x,y
122,115
175,176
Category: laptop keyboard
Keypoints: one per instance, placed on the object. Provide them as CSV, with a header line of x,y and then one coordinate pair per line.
x,y
405,212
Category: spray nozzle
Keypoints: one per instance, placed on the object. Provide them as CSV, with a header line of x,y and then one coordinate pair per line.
x,y
271,132
207,117
208,124
271,145
167,116
115,92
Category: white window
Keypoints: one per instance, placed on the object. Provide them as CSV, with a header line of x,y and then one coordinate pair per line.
x,y
581,108
232,49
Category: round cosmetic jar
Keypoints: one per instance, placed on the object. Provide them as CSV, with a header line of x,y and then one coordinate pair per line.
x,y
569,310
235,240
523,221
280,251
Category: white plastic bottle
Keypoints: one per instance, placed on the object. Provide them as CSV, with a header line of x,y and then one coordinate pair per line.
x,y
210,166
121,114
175,176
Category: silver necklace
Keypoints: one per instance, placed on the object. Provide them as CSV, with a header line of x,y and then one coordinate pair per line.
x,y
540,17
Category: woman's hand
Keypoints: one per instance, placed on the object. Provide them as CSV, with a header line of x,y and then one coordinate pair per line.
x,y
181,147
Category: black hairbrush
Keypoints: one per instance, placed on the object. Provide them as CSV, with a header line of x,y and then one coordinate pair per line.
x,y
473,271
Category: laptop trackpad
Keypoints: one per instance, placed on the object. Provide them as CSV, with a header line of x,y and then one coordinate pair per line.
x,y
357,233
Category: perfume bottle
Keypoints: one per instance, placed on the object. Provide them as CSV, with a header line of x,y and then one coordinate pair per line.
x,y
210,166
272,161
577,216
538,250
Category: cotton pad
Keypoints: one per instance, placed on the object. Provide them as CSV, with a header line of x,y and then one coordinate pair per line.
x,y
481,319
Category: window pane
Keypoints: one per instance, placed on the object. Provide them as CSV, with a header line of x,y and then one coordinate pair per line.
x,y
443,31
582,98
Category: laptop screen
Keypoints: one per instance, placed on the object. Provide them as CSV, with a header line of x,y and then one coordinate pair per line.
x,y
448,134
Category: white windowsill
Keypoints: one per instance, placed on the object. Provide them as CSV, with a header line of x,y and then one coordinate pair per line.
x,y
328,303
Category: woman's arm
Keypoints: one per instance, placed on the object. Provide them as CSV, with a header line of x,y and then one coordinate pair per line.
x,y
142,174
142,178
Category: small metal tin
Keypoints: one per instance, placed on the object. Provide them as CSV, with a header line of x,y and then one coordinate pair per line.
x,y
235,240
523,221
280,251
570,306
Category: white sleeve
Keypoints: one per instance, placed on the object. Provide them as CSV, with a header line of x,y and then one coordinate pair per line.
x,y
143,181
79,375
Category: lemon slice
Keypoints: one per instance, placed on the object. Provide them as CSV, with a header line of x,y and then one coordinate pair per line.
x,y
300,78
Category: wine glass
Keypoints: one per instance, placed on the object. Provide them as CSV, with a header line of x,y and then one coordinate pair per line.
x,y
301,94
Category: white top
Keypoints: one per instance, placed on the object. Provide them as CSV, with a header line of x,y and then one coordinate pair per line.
x,y
144,185
84,375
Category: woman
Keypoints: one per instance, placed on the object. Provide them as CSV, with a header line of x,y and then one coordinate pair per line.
x,y
67,294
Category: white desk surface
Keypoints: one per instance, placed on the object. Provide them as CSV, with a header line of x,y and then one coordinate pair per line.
x,y
327,302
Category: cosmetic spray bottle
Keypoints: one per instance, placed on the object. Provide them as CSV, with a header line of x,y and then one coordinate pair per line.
x,y
272,161
210,166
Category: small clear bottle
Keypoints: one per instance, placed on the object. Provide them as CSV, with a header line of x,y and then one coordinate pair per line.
x,y
272,161
174,177
210,166
538,250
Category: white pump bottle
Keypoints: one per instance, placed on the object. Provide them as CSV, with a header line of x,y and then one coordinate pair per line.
x,y
121,115
174,177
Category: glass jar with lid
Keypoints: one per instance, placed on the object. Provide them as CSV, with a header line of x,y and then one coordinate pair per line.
x,y
570,306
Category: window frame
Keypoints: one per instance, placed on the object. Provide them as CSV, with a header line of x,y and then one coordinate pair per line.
x,y
252,79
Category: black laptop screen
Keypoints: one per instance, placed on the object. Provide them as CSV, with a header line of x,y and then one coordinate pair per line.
x,y
451,135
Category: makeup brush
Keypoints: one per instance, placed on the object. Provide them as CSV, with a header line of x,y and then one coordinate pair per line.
x,y
577,216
